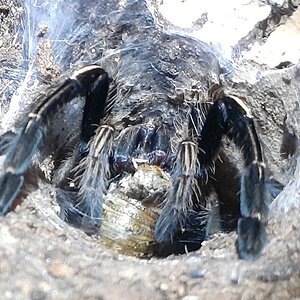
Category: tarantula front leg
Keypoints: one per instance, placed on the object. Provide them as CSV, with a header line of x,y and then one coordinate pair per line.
x,y
95,167
82,178
81,195
180,196
90,82
230,116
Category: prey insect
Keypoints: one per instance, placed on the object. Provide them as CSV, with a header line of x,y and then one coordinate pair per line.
x,y
147,136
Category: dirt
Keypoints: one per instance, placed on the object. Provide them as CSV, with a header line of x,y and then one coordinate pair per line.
x,y
44,258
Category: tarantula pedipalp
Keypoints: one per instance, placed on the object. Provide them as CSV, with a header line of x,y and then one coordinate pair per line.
x,y
111,152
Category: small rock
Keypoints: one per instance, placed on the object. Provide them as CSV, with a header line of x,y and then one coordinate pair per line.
x,y
59,270
196,273
38,294
191,298
8,295
164,287
128,274
235,274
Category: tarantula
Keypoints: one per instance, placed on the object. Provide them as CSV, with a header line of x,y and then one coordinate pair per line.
x,y
118,147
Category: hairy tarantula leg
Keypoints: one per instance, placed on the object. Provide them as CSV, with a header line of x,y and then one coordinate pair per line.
x,y
95,107
179,200
21,149
94,110
93,180
231,117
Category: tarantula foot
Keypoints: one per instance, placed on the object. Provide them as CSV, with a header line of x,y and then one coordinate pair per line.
x,y
162,234
73,216
251,238
166,226
11,185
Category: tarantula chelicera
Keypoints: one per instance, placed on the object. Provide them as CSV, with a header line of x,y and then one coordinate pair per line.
x,y
117,149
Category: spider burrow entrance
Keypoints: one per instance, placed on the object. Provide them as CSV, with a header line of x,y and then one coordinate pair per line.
x,y
116,151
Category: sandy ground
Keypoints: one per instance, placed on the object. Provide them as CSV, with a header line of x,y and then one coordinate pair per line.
x,y
43,258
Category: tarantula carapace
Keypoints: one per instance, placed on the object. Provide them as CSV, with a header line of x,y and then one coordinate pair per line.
x,y
116,148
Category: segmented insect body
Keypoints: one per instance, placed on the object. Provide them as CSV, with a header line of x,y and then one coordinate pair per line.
x,y
131,209
147,114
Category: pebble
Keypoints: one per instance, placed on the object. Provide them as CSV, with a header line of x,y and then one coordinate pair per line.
x,y
164,287
191,298
235,275
129,274
59,270
196,273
